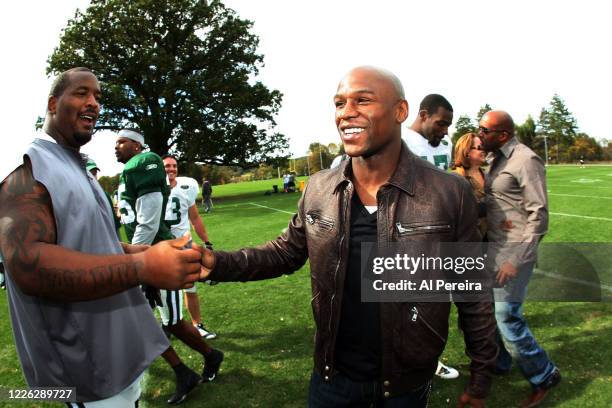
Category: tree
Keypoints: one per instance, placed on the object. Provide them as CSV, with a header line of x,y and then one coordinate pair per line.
x,y
319,157
585,147
526,134
464,125
183,71
559,126
483,109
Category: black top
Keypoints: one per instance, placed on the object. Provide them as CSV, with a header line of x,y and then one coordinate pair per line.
x,y
358,345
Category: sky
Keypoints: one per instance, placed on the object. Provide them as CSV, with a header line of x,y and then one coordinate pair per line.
x,y
513,55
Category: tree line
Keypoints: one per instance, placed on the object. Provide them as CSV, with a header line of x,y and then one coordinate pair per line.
x,y
555,132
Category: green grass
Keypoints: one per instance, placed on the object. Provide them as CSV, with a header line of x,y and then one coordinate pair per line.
x,y
266,328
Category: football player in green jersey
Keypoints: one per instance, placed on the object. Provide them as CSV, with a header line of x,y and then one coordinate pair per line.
x,y
143,194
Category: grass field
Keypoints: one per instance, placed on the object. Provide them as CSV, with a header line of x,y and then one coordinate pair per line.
x,y
266,328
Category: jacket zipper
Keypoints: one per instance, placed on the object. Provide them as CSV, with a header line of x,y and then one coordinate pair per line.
x,y
313,218
341,243
423,228
415,314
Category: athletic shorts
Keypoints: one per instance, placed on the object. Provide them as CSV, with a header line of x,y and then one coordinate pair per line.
x,y
191,289
128,398
171,311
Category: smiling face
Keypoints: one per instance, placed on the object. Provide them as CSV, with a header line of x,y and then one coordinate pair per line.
x,y
369,112
171,168
72,115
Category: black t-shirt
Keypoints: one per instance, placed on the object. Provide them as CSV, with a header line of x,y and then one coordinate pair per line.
x,y
358,345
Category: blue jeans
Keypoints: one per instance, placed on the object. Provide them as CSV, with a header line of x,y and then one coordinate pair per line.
x,y
341,391
516,342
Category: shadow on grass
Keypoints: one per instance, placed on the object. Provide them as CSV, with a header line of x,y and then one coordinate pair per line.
x,y
259,370
583,354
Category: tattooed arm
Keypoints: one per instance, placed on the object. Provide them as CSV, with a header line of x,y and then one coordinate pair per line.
x,y
42,268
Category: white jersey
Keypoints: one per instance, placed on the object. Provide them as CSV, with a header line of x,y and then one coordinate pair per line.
x,y
182,196
439,156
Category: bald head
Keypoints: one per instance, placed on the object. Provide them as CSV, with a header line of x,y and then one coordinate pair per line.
x,y
499,120
370,108
495,129
379,75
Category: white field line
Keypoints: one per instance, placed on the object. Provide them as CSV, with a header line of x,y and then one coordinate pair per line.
x,y
273,209
572,280
580,196
581,216
577,185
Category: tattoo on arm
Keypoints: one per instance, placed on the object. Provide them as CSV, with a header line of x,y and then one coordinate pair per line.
x,y
37,265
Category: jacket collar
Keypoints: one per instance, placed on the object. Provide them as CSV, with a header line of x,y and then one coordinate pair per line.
x,y
403,177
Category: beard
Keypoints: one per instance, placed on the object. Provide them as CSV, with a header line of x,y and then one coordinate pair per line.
x,y
82,138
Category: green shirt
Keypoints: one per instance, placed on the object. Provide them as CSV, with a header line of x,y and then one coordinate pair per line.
x,y
142,174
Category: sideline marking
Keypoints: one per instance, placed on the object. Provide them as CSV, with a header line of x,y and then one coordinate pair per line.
x,y
582,196
572,280
581,216
576,185
270,208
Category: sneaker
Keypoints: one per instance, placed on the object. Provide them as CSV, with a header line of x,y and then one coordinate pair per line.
x,y
446,372
208,335
184,385
211,365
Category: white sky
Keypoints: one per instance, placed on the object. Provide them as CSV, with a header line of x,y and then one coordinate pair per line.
x,y
513,55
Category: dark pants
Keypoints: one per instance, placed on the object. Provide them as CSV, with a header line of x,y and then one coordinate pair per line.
x,y
341,391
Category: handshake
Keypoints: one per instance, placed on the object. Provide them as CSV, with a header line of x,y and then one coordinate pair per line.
x,y
172,264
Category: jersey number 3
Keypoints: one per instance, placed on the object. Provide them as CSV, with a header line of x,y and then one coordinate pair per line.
x,y
173,216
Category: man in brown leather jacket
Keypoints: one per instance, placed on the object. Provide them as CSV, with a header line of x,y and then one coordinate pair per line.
x,y
373,353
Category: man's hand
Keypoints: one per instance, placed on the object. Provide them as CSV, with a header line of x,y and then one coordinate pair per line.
x,y
168,266
134,248
208,263
467,400
506,272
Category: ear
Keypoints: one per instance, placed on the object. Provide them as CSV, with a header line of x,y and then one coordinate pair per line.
x,y
401,111
52,104
423,115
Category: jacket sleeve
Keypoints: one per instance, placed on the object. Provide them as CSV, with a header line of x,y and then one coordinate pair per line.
x,y
476,319
283,255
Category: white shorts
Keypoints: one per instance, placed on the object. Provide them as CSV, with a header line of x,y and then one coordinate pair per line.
x,y
125,399
171,311
191,289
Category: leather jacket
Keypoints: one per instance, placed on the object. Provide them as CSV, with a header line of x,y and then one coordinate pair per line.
x,y
418,203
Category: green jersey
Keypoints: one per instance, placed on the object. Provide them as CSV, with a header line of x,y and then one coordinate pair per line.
x,y
142,174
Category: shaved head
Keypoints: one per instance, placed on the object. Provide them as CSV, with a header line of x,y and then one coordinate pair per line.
x,y
499,120
495,129
382,75
370,108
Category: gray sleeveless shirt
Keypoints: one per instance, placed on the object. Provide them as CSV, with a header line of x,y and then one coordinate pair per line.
x,y
99,346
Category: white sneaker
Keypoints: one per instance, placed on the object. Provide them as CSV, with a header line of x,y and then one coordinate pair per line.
x,y
208,335
446,372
